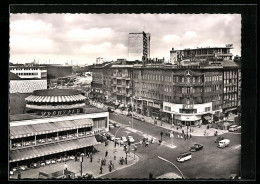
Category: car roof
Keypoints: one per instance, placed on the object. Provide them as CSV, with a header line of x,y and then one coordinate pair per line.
x,y
185,153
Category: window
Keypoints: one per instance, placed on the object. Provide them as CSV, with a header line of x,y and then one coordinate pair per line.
x,y
182,79
193,79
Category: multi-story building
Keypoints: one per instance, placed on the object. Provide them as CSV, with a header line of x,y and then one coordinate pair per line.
x,y
183,93
61,125
29,72
139,46
177,56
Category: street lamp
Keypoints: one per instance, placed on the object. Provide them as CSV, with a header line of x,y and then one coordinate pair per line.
x,y
132,110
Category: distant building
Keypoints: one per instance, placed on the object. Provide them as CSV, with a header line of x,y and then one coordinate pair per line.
x,y
201,53
100,60
25,85
56,71
139,46
29,72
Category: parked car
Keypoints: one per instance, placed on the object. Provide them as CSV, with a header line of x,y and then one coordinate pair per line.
x,y
23,167
142,119
56,138
53,161
11,172
123,138
112,137
184,157
48,162
111,126
233,128
219,139
130,138
196,147
116,124
72,157
81,134
234,177
14,169
119,141
50,140
59,160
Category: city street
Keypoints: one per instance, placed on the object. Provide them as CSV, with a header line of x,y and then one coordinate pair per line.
x,y
210,162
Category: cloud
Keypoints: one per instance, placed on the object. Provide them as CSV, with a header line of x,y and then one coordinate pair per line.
x,y
84,37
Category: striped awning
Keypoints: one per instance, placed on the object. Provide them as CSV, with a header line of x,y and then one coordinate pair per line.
x,y
43,150
83,122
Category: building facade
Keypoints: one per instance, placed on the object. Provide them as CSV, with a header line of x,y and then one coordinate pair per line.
x,y
201,53
59,125
139,46
29,72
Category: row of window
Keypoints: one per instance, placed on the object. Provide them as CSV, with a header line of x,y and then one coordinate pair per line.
x,y
230,74
230,81
230,96
230,89
27,74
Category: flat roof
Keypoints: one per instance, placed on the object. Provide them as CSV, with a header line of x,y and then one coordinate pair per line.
x,y
87,109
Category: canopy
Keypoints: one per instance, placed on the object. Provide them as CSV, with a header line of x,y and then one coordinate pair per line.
x,y
43,128
48,149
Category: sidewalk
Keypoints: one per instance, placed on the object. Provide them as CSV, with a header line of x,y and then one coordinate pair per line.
x,y
196,131
87,166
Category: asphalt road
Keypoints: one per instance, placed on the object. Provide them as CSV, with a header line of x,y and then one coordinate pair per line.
x,y
210,162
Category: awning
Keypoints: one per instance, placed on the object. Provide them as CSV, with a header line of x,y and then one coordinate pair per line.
x,y
21,131
83,122
48,149
44,127
65,125
207,117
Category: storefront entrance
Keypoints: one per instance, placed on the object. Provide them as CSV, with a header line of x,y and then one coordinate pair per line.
x,y
187,123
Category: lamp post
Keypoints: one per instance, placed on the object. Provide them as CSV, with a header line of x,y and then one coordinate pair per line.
x,y
81,161
132,110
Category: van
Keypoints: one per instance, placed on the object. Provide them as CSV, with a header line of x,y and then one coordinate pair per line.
x,y
233,128
223,143
183,157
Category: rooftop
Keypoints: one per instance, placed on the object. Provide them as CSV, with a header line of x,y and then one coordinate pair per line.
x,y
55,92
20,117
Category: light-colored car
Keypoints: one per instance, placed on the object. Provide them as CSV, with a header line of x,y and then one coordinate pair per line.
x,y
48,162
119,141
23,167
111,126
56,138
58,160
112,137
72,157
131,139
53,161
11,172
81,134
50,140
123,139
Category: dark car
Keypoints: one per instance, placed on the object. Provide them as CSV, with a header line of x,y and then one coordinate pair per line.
x,y
196,147
219,139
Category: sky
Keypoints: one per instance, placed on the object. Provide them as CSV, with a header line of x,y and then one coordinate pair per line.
x,y
81,38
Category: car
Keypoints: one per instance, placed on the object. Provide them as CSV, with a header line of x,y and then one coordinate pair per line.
x,y
119,141
196,147
11,172
123,138
142,119
53,161
116,124
50,139
111,126
234,177
233,128
64,137
130,138
112,137
42,164
72,157
14,169
56,138
59,160
184,157
48,162
81,134
219,139
23,167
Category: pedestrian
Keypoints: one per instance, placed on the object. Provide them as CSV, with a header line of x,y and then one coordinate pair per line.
x,y
19,175
113,166
204,132
101,169
190,136
109,167
105,161
91,158
184,137
125,160
177,128
208,127
114,157
172,125
65,166
106,153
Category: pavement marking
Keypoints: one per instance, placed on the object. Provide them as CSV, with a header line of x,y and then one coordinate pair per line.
x,y
236,146
172,164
